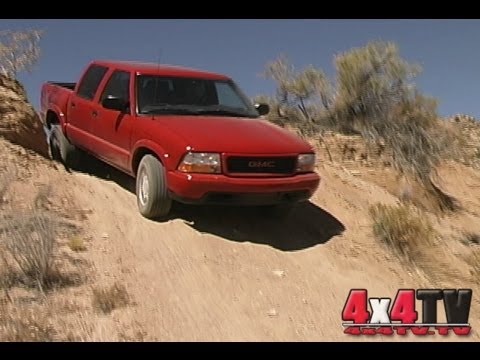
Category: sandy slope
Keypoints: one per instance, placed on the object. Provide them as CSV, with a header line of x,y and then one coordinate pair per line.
x,y
227,274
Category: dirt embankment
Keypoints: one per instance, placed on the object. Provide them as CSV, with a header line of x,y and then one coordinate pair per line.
x,y
20,122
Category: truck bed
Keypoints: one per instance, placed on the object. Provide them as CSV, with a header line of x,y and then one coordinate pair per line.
x,y
67,85
55,95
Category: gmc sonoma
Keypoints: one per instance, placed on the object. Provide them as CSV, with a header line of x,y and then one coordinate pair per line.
x,y
185,135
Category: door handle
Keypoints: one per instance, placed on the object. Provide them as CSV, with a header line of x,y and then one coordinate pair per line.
x,y
72,104
94,113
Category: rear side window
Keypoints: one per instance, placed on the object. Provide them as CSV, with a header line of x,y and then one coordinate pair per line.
x,y
118,85
90,81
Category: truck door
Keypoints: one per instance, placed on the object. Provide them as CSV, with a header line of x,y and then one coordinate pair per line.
x,y
112,128
81,107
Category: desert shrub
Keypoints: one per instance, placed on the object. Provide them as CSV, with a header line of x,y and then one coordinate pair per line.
x,y
108,299
471,238
473,261
375,96
76,243
29,237
6,179
401,228
19,50
21,323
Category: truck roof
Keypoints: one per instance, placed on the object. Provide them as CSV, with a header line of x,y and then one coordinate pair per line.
x,y
159,69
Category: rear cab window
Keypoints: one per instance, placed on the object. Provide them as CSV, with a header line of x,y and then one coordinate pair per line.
x,y
91,80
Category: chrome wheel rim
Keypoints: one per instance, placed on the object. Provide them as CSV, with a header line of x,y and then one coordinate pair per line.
x,y
143,188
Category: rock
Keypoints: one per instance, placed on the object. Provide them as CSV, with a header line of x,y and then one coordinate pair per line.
x,y
272,313
105,236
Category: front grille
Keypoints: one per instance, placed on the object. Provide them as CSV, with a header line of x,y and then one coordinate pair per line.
x,y
261,164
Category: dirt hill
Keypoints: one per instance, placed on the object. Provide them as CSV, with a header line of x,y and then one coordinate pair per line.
x,y
214,273
19,121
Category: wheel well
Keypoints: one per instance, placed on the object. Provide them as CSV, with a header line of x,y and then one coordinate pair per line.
x,y
139,154
51,119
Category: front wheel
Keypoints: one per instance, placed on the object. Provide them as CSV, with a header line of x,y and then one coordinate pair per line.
x,y
151,188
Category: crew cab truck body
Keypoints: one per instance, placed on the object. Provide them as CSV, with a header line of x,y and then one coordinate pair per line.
x,y
186,135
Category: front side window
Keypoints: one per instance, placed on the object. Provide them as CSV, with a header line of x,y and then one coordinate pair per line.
x,y
183,95
227,95
117,86
90,81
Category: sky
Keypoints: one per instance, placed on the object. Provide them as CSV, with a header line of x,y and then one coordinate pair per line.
x,y
447,50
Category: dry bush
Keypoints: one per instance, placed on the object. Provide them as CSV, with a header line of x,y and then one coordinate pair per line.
x,y
6,179
418,141
19,50
402,228
7,275
471,238
300,98
378,98
138,335
76,243
108,299
22,323
474,262
42,198
30,239
374,96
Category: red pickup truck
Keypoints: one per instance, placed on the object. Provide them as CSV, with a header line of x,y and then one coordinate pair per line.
x,y
186,135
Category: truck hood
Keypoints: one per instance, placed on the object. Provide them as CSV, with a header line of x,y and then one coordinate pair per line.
x,y
233,135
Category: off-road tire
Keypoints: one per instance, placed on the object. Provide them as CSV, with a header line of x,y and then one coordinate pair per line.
x,y
62,150
153,199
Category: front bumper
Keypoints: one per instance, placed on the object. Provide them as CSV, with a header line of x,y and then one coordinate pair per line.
x,y
221,189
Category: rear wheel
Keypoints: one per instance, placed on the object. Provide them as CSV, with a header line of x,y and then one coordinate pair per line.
x,y
151,188
62,150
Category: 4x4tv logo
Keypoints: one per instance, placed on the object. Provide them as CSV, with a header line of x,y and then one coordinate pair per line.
x,y
398,317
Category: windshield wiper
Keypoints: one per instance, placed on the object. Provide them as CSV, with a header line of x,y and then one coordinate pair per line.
x,y
222,111
194,110
167,109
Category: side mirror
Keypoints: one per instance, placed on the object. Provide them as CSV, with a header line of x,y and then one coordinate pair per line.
x,y
262,109
115,103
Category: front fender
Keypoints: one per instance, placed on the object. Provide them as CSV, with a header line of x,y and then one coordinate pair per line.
x,y
158,150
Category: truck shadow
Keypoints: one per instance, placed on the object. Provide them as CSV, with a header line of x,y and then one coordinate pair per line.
x,y
308,225
101,170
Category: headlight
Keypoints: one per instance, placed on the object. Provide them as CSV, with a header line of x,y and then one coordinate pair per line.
x,y
305,162
200,163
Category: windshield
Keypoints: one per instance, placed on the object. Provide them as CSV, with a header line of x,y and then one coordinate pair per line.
x,y
184,95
